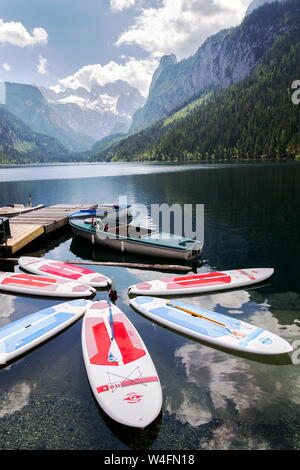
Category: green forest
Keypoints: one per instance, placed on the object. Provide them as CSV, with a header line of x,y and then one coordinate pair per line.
x,y
254,119
20,144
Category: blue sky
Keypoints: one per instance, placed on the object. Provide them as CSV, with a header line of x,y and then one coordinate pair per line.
x,y
77,43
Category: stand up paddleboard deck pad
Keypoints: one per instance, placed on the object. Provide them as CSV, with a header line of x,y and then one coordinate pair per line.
x,y
22,335
121,373
215,328
201,283
59,270
21,283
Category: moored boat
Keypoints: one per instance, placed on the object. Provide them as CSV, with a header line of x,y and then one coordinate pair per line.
x,y
108,212
137,240
13,210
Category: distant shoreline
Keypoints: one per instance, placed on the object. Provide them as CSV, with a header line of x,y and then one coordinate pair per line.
x,y
165,162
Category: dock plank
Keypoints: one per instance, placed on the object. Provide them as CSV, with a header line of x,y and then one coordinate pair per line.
x,y
22,235
46,220
44,215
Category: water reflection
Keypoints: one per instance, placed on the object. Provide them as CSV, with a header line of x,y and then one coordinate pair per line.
x,y
14,399
133,438
231,383
213,398
7,308
90,170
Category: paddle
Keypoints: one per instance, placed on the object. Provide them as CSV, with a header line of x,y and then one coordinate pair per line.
x,y
113,352
234,333
111,322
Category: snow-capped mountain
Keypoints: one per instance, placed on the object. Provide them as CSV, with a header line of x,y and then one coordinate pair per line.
x,y
98,112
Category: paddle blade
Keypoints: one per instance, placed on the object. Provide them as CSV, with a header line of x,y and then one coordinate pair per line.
x,y
111,357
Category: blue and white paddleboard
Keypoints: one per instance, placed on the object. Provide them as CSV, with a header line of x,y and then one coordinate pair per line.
x,y
22,335
211,327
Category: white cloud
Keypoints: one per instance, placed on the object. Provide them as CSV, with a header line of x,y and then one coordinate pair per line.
x,y
180,26
120,5
7,67
136,72
7,305
42,64
16,34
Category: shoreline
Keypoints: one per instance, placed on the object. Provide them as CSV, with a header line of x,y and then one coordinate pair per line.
x,y
165,162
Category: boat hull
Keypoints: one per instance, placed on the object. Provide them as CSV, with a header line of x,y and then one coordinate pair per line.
x,y
134,247
19,211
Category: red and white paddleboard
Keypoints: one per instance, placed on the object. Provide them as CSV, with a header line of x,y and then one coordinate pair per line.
x,y
21,283
200,283
61,270
121,373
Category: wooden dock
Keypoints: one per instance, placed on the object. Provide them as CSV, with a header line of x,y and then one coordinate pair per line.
x,y
28,227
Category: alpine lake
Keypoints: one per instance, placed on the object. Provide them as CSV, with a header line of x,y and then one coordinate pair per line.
x,y
212,398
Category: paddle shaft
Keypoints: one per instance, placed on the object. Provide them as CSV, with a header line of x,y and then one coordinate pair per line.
x,y
111,322
203,317
113,353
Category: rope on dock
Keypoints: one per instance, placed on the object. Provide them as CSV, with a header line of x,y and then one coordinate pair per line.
x,y
150,267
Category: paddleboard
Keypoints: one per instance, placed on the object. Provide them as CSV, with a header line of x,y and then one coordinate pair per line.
x,y
201,283
211,327
121,373
59,270
39,285
23,335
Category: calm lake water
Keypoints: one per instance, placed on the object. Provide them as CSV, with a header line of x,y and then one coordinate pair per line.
x,y
213,399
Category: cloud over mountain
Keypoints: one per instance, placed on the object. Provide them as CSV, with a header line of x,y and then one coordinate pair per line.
x,y
181,25
137,72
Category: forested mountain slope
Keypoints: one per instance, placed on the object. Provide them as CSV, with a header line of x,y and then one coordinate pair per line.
x,y
252,119
19,144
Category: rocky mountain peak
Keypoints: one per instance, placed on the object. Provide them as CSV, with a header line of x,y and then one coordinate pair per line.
x,y
165,62
257,4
